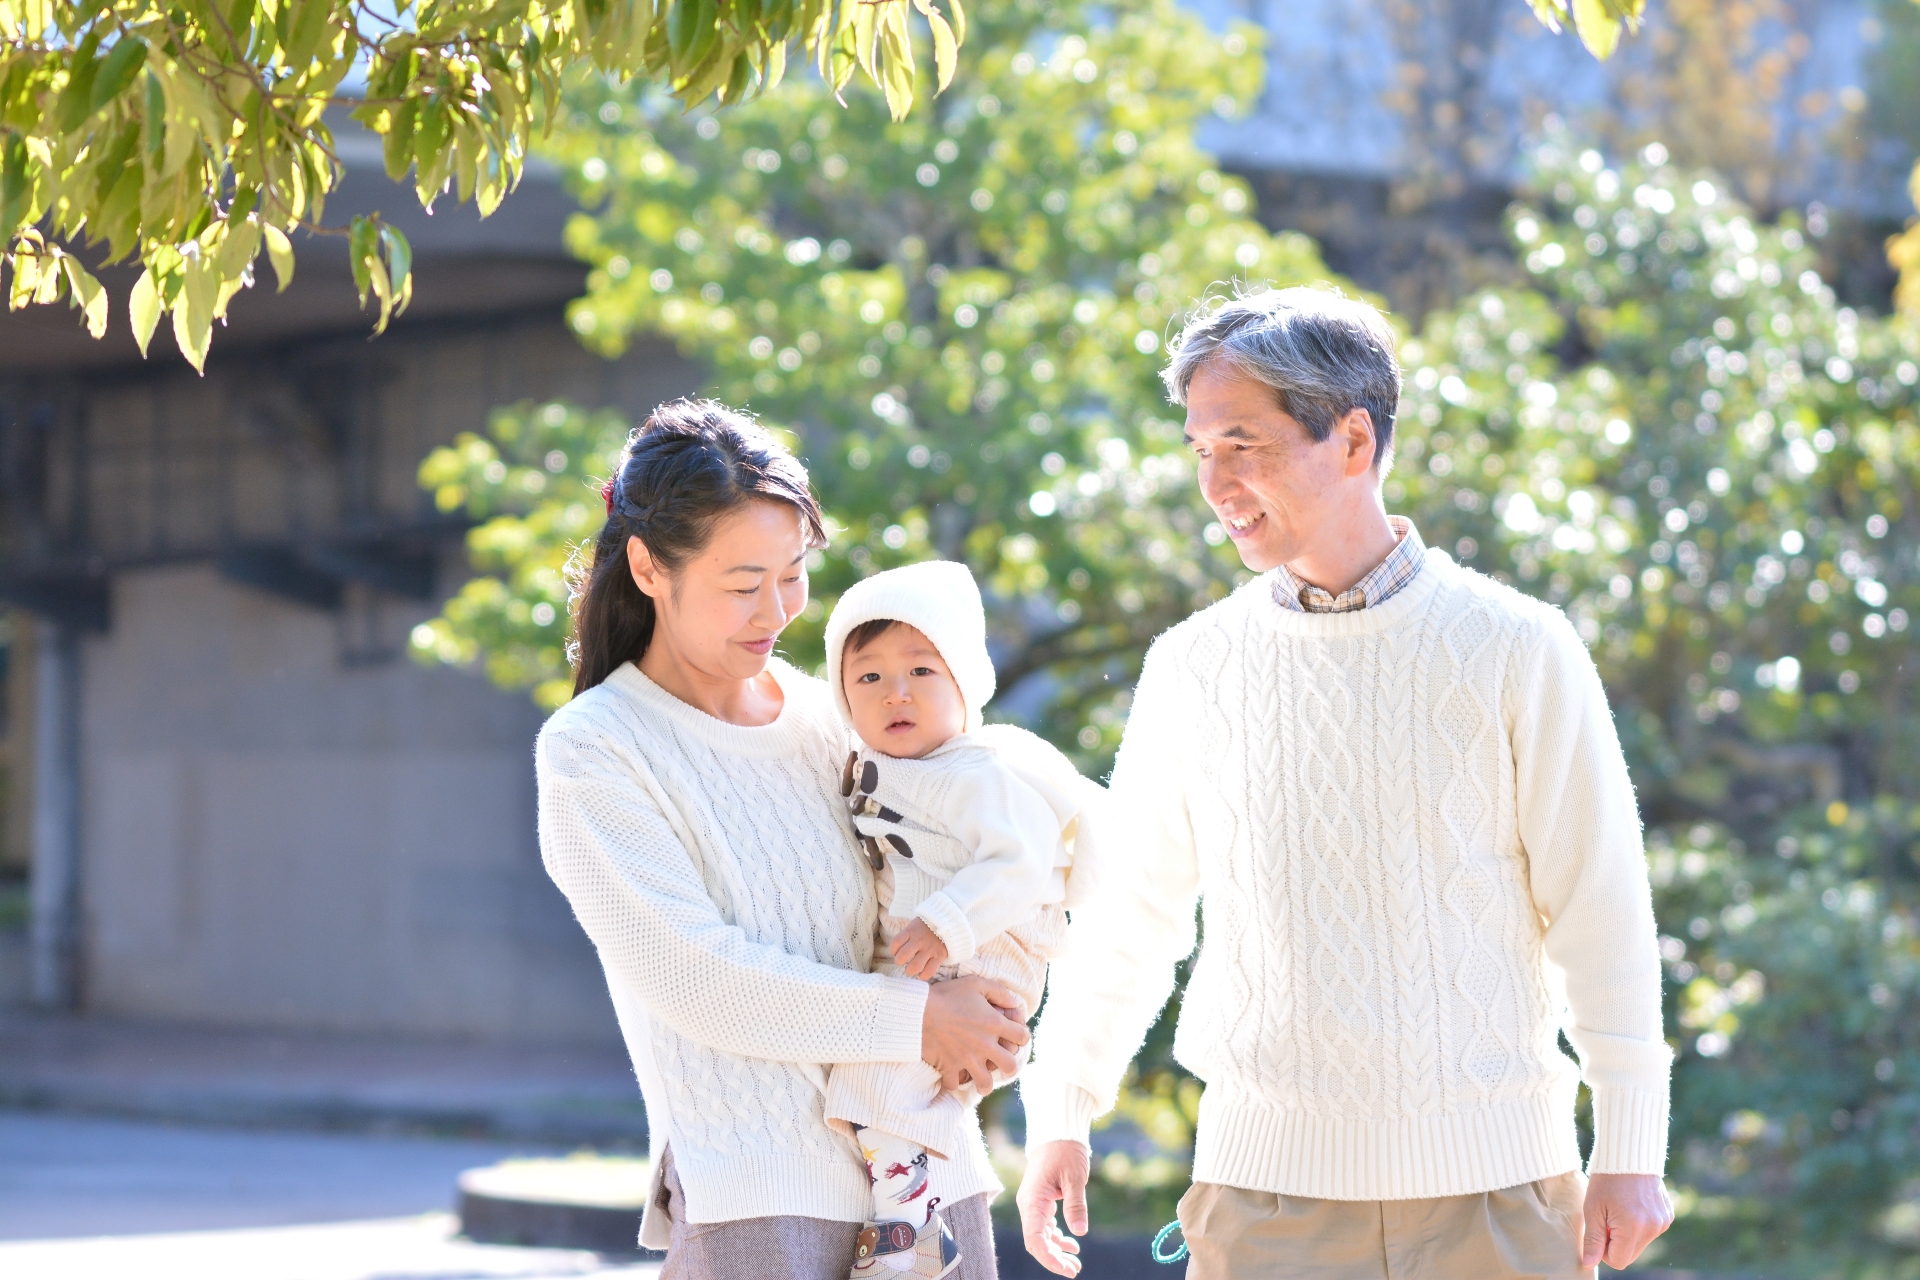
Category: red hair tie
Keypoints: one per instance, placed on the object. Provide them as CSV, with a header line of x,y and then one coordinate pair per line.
x,y
606,493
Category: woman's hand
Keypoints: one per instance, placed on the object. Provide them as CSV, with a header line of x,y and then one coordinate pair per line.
x,y
972,1029
918,951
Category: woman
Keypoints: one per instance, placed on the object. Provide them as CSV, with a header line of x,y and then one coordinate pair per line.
x,y
690,810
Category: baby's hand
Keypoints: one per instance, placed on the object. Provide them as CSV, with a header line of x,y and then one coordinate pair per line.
x,y
919,951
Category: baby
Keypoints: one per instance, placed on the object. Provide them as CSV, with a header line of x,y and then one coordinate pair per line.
x,y
971,832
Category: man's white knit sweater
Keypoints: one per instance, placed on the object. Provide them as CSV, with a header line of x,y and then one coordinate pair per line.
x,y
713,867
1419,852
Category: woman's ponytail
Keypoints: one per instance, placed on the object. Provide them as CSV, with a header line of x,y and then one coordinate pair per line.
x,y
689,464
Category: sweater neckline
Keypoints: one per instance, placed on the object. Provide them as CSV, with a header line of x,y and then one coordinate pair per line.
x,y
788,732
1404,604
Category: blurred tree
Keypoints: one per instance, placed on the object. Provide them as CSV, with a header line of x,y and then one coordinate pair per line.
x,y
958,317
189,137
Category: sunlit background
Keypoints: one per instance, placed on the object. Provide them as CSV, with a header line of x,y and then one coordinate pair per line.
x,y
281,635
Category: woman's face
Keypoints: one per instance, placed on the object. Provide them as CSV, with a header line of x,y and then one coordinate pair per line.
x,y
723,610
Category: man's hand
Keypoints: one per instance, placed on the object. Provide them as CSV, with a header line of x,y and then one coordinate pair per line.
x,y
1056,1171
971,1030
917,949
1624,1212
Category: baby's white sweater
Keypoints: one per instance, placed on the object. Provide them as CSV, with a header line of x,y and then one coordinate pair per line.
x,y
988,818
1419,853
713,867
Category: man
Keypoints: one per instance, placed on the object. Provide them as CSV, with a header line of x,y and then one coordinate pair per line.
x,y
1396,786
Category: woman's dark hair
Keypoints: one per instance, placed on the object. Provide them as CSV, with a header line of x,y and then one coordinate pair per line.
x,y
689,464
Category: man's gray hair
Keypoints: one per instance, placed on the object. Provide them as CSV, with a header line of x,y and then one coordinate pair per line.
x,y
1323,353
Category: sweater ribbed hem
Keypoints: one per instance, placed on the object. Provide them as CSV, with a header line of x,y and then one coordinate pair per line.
x,y
898,1018
1630,1131
1057,1112
772,1184
1245,1143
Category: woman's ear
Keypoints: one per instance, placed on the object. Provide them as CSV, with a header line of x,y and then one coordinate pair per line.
x,y
646,573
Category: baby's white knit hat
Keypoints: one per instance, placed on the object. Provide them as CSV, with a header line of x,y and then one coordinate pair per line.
x,y
940,599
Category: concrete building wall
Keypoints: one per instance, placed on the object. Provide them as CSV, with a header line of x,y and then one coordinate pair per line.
x,y
284,821
1343,74
272,837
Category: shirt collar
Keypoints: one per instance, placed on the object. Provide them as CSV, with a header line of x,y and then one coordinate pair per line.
x,y
1377,587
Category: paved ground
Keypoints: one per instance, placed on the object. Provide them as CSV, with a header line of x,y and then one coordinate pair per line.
x,y
419,1248
309,1081
86,1198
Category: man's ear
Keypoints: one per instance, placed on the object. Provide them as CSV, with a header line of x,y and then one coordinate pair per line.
x,y
646,572
1357,430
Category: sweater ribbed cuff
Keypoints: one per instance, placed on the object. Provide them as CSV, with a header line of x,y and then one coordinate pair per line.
x,y
950,924
1057,1111
1629,1131
898,1018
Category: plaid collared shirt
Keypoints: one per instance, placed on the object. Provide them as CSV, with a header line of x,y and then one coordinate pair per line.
x,y
1387,577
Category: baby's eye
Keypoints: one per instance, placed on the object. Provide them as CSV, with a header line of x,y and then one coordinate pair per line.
x,y
923,671
870,677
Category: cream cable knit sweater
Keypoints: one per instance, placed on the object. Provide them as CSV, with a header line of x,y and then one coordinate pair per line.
x,y
712,866
1419,851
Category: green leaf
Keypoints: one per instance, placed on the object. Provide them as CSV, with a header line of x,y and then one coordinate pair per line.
x,y
1551,13
76,100
946,49
280,253
117,71
193,314
706,31
896,63
1599,30
156,115
362,242
119,215
740,79
397,145
399,265
240,23
16,185
88,294
307,27
683,27
143,309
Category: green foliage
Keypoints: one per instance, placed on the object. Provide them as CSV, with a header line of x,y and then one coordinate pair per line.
x,y
189,136
959,316
531,484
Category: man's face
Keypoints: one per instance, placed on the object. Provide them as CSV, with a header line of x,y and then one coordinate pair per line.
x,y
1270,483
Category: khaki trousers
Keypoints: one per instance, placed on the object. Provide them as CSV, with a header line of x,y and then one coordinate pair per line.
x,y
794,1248
1529,1232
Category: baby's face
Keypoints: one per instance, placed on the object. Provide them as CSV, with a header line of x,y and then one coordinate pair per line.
x,y
905,702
